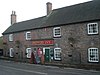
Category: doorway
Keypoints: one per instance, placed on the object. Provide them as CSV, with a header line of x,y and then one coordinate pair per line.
x,y
46,52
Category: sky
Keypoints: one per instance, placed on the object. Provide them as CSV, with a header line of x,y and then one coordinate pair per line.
x,y
28,9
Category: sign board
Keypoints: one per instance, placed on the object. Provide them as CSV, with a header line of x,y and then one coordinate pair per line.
x,y
43,42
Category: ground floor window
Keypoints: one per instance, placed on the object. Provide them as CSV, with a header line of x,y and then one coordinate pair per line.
x,y
11,52
57,53
28,52
93,55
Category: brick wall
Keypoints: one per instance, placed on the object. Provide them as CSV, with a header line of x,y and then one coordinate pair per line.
x,y
77,35
74,42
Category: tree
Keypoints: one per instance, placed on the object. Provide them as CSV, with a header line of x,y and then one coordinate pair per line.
x,y
1,42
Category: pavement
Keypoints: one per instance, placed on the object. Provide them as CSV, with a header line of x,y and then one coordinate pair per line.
x,y
78,66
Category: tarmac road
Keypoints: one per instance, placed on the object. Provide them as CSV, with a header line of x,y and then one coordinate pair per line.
x,y
17,68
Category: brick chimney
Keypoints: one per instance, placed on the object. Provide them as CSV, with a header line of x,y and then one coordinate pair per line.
x,y
13,17
49,8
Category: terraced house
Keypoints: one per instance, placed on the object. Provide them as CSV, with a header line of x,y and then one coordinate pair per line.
x,y
68,35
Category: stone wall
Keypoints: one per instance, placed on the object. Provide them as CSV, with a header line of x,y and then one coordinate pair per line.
x,y
74,42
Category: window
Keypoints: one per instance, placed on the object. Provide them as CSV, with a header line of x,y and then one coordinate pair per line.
x,y
93,55
57,32
28,35
11,52
92,28
57,53
28,52
11,37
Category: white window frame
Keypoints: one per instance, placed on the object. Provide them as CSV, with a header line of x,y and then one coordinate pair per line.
x,y
90,28
28,35
93,55
28,52
57,53
10,37
11,52
55,34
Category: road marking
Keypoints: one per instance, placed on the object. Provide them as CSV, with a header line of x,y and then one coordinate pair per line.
x,y
41,73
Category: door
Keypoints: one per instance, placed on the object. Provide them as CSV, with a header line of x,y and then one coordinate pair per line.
x,y
47,54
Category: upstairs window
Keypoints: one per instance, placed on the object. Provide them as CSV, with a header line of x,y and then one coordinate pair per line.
x,y
10,37
28,35
28,52
57,53
92,28
93,55
57,32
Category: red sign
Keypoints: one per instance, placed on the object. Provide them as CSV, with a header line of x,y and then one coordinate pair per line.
x,y
43,42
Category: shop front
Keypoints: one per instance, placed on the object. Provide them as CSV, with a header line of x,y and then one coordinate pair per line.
x,y
43,50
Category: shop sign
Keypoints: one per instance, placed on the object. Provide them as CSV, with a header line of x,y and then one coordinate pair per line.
x,y
43,42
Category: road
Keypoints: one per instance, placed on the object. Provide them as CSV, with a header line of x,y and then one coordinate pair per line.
x,y
16,68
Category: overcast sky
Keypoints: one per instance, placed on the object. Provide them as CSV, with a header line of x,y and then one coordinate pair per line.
x,y
28,9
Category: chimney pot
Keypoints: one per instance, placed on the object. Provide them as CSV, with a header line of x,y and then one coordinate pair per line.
x,y
14,13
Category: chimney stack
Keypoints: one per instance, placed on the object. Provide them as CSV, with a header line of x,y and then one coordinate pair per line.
x,y
13,17
49,8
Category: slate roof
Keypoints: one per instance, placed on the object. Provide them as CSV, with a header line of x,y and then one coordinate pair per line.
x,y
82,12
76,13
26,25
